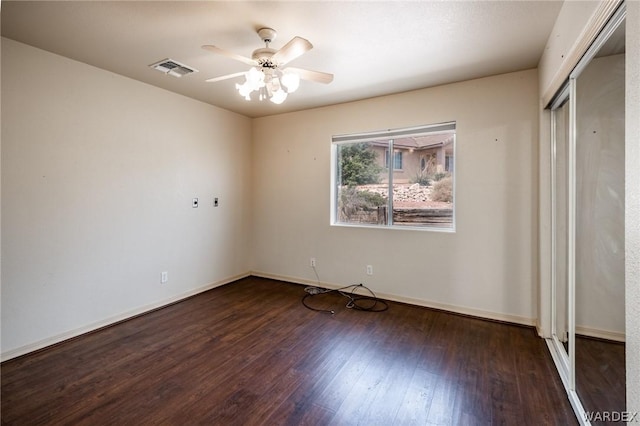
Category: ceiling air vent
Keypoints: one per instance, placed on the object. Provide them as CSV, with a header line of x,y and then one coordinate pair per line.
x,y
174,68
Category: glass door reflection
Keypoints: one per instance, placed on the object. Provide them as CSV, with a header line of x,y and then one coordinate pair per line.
x,y
599,228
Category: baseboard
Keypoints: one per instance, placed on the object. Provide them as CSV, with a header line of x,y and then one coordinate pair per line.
x,y
615,336
23,350
495,316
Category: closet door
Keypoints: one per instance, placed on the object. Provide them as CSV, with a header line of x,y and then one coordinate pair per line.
x,y
600,228
588,192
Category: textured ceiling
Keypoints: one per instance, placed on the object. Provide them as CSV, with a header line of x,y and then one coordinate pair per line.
x,y
372,48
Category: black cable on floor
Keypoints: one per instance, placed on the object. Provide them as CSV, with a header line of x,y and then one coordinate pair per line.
x,y
367,303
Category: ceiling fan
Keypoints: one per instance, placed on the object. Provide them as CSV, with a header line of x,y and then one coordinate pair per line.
x,y
267,76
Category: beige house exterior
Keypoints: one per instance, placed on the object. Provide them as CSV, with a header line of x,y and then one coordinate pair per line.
x,y
416,157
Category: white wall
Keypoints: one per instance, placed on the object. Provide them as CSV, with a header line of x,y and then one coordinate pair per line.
x,y
486,267
98,173
632,206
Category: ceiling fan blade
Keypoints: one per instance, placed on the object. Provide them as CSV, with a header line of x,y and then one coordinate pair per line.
x,y
290,51
228,54
225,77
317,76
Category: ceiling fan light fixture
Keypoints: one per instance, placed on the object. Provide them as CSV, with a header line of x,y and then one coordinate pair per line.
x,y
255,78
269,83
291,81
244,90
274,85
265,75
278,97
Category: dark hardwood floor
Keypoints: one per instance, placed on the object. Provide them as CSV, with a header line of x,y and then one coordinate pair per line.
x,y
250,353
601,376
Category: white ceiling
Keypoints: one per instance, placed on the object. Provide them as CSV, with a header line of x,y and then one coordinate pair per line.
x,y
372,48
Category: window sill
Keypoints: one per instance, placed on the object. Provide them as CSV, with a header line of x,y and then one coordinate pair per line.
x,y
431,228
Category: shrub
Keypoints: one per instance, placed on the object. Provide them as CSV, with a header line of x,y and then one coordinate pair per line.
x,y
421,178
443,190
353,201
371,200
440,175
358,164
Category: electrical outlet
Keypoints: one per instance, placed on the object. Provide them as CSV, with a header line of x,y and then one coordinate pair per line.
x,y
164,277
312,262
194,203
369,270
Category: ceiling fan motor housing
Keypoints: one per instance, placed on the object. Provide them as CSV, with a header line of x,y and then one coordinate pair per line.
x,y
267,35
263,57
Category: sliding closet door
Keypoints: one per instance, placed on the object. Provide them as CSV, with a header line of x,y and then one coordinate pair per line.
x,y
588,198
599,229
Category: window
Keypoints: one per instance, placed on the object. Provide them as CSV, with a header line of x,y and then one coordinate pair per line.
x,y
448,164
417,192
397,159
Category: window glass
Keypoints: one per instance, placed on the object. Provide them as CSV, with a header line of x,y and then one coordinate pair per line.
x,y
418,191
397,159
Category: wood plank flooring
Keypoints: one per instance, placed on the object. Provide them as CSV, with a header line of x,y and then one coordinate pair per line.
x,y
249,353
600,375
